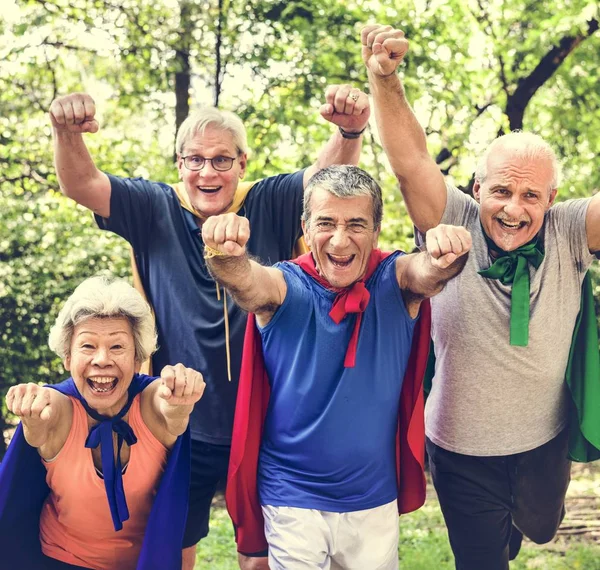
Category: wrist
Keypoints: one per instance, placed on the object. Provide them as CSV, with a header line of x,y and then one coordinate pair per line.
x,y
351,134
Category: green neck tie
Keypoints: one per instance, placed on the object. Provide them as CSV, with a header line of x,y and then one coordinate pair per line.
x,y
511,267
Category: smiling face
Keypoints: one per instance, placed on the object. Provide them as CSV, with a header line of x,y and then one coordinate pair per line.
x,y
341,236
102,362
211,191
514,198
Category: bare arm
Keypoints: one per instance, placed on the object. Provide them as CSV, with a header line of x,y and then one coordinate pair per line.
x,y
168,402
256,289
78,176
402,136
592,224
46,415
349,109
423,275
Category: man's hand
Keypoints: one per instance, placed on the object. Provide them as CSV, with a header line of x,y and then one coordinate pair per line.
x,y
181,386
346,107
383,49
227,233
30,402
445,244
74,113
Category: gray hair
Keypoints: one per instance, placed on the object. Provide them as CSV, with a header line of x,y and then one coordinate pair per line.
x,y
344,181
211,116
523,145
102,297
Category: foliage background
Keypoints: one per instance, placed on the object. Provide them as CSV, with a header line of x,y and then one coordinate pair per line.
x,y
476,68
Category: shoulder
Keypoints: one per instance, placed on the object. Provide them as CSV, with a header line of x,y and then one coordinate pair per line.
x,y
122,184
274,185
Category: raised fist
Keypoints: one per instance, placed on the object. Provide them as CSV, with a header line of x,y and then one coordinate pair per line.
x,y
181,386
383,49
226,233
445,244
346,107
29,402
74,113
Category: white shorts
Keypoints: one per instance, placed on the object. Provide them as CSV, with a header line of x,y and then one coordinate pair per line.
x,y
303,539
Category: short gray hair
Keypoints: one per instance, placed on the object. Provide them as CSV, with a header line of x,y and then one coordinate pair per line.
x,y
344,181
523,145
211,116
105,298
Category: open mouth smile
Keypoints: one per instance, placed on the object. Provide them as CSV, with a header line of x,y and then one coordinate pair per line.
x,y
102,384
511,225
209,189
341,261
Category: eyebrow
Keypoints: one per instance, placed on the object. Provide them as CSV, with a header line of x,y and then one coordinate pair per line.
x,y
81,333
350,220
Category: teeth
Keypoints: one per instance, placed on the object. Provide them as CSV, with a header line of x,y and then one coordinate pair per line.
x,y
102,379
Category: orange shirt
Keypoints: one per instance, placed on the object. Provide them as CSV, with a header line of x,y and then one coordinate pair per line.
x,y
75,524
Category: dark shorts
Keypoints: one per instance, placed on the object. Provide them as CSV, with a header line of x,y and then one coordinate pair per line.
x,y
209,465
53,564
488,503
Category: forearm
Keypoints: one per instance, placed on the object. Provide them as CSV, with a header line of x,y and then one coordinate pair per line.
x,y
175,418
36,432
242,278
78,176
402,137
339,150
431,278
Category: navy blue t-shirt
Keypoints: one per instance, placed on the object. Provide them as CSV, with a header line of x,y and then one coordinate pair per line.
x,y
330,432
169,254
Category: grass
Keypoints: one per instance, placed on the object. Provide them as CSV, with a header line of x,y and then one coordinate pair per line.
x,y
424,542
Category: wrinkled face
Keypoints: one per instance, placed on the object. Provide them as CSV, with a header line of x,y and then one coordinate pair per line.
x,y
102,362
211,191
514,198
341,236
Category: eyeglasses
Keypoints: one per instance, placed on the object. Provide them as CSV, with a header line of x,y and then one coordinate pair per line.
x,y
220,163
351,227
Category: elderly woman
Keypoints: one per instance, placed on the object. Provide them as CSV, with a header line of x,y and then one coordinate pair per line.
x,y
106,438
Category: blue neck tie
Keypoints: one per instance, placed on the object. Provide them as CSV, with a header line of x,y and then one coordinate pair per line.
x,y
112,470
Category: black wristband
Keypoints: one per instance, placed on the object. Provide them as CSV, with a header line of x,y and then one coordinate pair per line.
x,y
351,135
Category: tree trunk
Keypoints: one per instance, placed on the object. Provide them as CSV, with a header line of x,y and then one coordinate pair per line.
x,y
182,65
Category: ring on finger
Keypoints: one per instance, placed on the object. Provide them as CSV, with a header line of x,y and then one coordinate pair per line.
x,y
353,95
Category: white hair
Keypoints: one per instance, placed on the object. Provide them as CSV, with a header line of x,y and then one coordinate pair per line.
x,y
523,145
211,116
102,297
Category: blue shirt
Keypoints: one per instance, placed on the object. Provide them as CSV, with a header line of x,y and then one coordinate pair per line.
x,y
169,253
330,432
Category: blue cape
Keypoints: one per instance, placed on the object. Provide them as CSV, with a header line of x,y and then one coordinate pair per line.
x,y
23,491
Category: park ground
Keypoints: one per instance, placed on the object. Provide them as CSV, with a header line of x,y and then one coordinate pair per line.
x,y
424,543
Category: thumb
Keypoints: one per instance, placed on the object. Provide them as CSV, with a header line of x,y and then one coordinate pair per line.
x,y
326,110
165,392
46,413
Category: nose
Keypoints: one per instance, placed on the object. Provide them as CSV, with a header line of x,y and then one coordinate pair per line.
x,y
101,357
513,208
339,237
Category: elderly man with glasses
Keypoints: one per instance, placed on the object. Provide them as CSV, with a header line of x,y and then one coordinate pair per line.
x,y
196,324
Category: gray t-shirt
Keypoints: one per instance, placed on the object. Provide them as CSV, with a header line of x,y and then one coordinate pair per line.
x,y
488,397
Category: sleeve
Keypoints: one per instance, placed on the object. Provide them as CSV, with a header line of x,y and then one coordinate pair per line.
x,y
282,195
460,207
568,220
460,210
131,208
296,295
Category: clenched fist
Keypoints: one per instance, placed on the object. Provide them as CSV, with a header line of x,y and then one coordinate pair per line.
x,y
346,107
181,386
74,113
383,49
30,402
227,234
445,244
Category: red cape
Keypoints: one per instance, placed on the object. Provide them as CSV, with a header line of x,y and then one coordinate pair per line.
x,y
251,408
